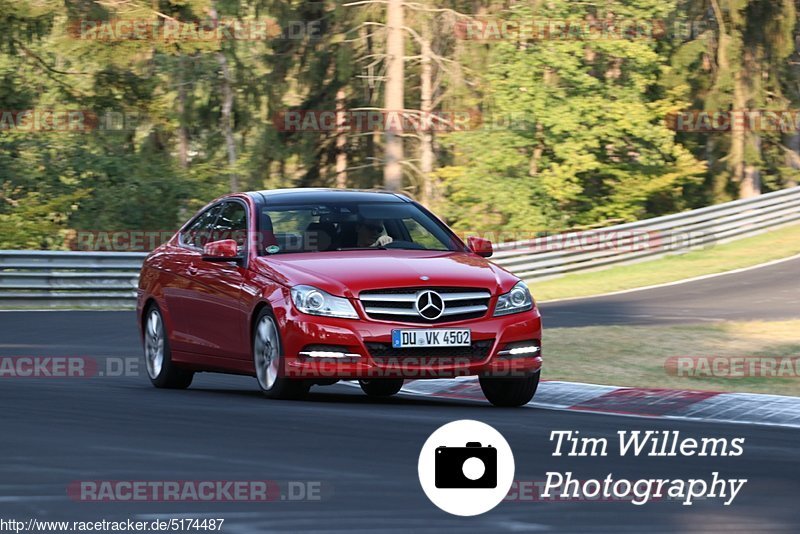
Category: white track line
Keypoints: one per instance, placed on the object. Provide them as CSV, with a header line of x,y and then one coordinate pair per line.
x,y
667,284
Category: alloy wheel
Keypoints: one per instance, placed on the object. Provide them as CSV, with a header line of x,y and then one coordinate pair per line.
x,y
154,344
266,353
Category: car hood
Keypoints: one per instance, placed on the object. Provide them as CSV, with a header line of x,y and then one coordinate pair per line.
x,y
347,273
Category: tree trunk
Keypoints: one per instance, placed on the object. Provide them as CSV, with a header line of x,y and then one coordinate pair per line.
x,y
341,141
721,182
393,104
426,107
183,132
735,160
749,151
226,119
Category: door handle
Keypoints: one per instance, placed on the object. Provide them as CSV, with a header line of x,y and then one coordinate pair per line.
x,y
192,270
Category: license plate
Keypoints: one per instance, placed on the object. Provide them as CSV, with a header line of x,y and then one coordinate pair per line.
x,y
438,337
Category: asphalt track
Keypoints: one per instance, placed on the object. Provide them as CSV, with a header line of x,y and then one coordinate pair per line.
x,y
767,293
363,451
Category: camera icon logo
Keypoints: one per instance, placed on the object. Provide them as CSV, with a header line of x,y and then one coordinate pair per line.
x,y
472,466
464,476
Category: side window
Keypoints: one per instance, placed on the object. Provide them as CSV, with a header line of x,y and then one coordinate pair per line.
x,y
198,233
232,224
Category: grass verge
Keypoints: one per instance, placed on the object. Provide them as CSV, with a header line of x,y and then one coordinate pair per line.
x,y
781,243
636,355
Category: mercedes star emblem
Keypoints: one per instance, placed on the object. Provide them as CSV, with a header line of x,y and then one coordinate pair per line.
x,y
430,305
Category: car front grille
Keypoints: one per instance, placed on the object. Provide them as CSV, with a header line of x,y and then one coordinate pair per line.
x,y
384,353
400,304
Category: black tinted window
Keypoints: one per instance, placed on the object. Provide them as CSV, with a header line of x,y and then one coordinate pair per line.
x,y
199,232
232,223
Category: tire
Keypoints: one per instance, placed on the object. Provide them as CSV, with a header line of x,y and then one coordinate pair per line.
x,y
158,356
381,387
268,361
510,392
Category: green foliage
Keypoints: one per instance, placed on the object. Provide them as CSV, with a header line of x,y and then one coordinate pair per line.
x,y
588,144
572,132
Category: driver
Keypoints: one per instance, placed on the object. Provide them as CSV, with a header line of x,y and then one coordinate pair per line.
x,y
371,233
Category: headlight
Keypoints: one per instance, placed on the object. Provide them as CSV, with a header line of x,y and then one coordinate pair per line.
x,y
517,300
309,299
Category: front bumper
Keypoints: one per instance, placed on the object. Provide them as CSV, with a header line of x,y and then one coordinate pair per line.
x,y
303,333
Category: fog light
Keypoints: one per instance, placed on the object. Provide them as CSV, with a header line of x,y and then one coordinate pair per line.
x,y
327,354
335,352
523,348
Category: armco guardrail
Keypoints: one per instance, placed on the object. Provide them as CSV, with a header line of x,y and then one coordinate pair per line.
x,y
570,252
48,279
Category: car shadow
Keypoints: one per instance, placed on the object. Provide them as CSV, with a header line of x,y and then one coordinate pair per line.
x,y
356,398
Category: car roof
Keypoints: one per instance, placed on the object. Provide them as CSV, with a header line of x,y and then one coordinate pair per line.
x,y
322,195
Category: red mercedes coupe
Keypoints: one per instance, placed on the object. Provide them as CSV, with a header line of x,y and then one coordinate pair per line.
x,y
311,286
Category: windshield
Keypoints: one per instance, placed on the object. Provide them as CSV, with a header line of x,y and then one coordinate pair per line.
x,y
326,227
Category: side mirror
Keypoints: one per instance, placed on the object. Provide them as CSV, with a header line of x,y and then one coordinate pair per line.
x,y
221,251
480,246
